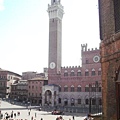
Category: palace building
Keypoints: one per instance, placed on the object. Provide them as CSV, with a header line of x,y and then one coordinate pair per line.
x,y
73,85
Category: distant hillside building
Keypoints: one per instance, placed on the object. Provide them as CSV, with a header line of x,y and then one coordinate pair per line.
x,y
19,91
7,78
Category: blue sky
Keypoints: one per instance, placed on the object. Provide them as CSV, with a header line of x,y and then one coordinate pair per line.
x,y
24,33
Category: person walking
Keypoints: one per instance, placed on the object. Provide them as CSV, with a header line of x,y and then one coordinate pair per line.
x,y
73,118
89,117
35,114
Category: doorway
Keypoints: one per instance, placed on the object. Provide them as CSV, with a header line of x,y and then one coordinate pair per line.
x,y
118,96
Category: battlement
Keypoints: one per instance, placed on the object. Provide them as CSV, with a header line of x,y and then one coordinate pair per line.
x,y
84,48
69,67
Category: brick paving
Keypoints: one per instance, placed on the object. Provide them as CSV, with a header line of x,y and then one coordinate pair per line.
x,y
39,114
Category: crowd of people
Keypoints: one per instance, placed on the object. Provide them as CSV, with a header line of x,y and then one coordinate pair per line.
x,y
14,115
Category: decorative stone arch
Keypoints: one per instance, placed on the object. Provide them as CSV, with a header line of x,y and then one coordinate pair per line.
x,y
50,95
93,69
65,99
72,100
86,70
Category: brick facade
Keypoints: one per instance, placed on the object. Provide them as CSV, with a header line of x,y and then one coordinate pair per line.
x,y
110,58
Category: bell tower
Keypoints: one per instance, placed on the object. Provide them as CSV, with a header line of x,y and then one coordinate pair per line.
x,y
55,12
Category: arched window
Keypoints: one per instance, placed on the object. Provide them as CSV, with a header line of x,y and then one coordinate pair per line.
x,y
100,101
66,73
99,71
79,88
79,101
93,72
93,101
99,88
59,100
65,88
86,88
72,73
79,73
86,72
93,89
59,88
72,88
87,61
86,101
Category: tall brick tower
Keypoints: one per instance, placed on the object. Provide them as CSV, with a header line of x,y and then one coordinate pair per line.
x,y
109,12
55,11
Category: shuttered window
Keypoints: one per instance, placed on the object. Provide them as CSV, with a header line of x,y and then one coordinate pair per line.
x,y
117,15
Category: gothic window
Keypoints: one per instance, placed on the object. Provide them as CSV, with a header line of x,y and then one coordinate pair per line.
x,y
79,73
72,73
99,71
79,88
99,88
100,101
93,72
66,73
86,72
52,20
86,88
59,88
87,101
59,100
65,88
87,61
79,101
93,89
72,88
117,15
93,101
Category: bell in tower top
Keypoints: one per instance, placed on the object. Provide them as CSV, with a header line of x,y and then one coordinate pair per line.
x,y
55,1
55,10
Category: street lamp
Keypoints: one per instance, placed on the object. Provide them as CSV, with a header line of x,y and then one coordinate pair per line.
x,y
90,86
97,102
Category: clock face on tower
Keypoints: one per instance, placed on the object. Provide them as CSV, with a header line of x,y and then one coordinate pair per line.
x,y
96,58
52,65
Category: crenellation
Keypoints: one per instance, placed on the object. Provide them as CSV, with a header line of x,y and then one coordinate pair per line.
x,y
84,47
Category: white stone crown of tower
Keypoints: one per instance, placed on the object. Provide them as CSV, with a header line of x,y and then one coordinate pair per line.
x,y
55,10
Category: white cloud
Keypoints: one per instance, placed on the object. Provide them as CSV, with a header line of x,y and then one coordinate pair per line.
x,y
1,5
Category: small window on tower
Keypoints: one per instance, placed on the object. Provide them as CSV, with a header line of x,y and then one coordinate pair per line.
x,y
87,61
117,15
